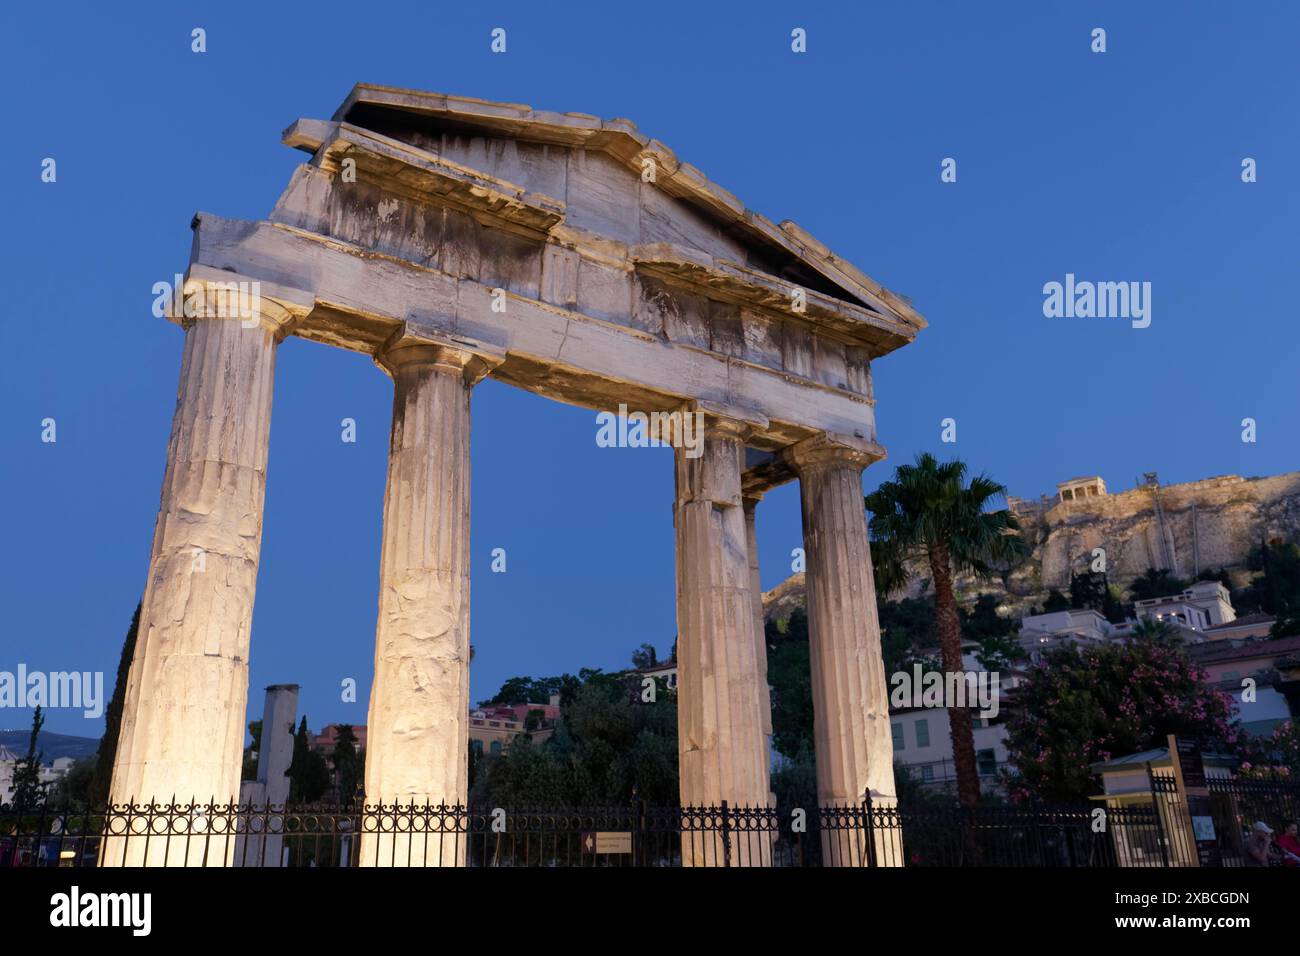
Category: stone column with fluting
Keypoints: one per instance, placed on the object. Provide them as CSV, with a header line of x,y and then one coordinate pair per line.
x,y
183,716
417,737
720,726
854,745
751,501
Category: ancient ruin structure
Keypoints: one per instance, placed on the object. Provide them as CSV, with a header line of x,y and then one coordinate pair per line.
x,y
262,842
452,239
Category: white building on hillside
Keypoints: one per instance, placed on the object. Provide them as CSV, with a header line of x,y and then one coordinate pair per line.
x,y
923,741
1229,648
51,773
1203,605
1040,632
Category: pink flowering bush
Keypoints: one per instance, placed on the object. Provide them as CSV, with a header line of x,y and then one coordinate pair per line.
x,y
1274,756
1083,706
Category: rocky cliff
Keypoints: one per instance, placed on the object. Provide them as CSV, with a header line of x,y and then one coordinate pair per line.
x,y
1185,528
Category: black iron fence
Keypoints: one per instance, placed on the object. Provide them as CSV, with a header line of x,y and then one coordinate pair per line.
x,y
635,835
1236,806
1034,836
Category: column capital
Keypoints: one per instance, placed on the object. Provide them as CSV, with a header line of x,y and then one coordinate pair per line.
x,y
727,421
832,451
471,359
750,500
207,293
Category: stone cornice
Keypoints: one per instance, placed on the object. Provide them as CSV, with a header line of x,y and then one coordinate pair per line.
x,y
723,279
405,168
620,139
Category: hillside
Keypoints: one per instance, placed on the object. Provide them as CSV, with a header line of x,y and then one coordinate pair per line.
x,y
52,745
1184,528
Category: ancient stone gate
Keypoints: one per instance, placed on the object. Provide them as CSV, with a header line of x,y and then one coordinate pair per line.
x,y
453,239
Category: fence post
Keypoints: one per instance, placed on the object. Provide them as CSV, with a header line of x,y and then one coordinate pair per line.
x,y
638,836
867,827
726,835
1160,827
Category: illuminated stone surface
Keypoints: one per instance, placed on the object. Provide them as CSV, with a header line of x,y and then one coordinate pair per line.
x,y
450,238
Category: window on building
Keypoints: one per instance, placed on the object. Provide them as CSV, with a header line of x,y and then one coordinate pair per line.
x,y
897,729
496,748
987,762
927,772
923,733
477,747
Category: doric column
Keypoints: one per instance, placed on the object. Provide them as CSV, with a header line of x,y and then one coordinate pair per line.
x,y
850,699
720,727
751,501
417,737
183,718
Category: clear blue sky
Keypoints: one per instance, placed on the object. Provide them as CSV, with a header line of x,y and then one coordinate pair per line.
x,y
1116,166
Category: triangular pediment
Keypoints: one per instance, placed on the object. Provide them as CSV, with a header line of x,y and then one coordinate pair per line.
x,y
681,206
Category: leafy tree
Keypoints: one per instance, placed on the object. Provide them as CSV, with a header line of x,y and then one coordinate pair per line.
x,y
644,657
348,768
1092,590
107,753
795,784
608,746
1276,588
27,786
1154,583
982,619
1275,756
906,631
526,775
309,775
1279,591
475,761
1162,632
928,512
912,792
1287,625
249,769
995,634
789,674
1078,706
1220,575
526,690
1056,601
73,788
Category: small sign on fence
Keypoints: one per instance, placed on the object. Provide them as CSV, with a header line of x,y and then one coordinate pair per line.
x,y
606,841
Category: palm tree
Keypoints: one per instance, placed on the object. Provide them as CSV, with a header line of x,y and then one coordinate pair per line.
x,y
1156,630
927,513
